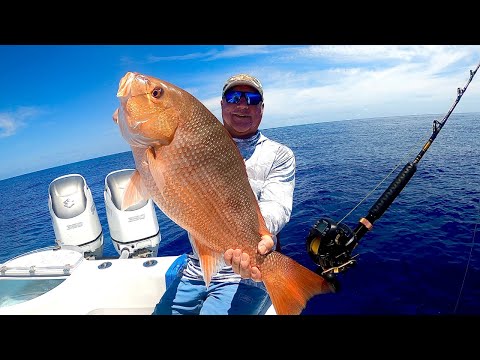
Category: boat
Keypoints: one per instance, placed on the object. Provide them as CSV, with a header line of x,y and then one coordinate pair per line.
x,y
72,277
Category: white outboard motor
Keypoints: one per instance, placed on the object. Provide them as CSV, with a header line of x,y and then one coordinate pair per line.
x,y
134,231
74,215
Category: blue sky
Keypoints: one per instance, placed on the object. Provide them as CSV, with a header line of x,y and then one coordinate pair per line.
x,y
57,101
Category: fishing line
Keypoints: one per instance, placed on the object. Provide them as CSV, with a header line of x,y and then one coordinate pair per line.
x,y
468,261
407,155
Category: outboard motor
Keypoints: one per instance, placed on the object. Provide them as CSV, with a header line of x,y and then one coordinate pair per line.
x,y
74,215
134,231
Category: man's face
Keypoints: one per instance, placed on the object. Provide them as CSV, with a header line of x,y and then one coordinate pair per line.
x,y
241,120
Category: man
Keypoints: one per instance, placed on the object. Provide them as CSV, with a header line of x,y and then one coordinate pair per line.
x,y
237,288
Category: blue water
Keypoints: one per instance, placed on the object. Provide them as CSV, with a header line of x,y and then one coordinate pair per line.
x,y
421,257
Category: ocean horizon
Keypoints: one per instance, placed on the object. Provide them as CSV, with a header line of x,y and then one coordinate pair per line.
x,y
420,258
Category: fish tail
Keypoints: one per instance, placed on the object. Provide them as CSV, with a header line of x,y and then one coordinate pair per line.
x,y
290,285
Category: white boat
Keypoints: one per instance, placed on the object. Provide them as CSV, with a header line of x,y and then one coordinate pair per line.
x,y
72,277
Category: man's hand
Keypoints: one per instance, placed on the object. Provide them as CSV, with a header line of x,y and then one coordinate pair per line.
x,y
240,261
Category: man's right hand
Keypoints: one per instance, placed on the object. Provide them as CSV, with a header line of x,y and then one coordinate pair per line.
x,y
240,261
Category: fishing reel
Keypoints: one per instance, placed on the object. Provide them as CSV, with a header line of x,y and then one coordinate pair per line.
x,y
330,245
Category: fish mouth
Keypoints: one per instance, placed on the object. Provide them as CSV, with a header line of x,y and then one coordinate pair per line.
x,y
126,84
125,87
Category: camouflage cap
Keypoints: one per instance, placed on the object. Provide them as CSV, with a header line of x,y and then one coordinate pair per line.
x,y
243,79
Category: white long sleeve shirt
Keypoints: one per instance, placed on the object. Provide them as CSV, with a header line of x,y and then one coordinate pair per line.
x,y
271,173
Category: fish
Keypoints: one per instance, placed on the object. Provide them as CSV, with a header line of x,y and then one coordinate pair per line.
x,y
188,164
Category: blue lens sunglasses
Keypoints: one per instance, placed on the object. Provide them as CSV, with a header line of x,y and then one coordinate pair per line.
x,y
233,97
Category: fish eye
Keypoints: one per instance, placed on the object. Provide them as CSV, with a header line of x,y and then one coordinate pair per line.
x,y
156,93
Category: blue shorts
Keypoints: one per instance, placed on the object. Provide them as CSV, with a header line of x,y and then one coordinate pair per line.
x,y
191,297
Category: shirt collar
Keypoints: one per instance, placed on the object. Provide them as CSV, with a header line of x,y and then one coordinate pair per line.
x,y
250,141
247,146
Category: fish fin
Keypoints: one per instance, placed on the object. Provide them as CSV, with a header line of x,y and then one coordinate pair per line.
x,y
115,116
155,168
290,284
210,261
134,192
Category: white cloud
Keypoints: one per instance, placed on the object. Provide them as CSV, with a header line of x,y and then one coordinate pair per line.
x,y
364,82
8,126
11,122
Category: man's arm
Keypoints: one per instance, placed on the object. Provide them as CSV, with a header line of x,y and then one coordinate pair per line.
x,y
276,196
275,201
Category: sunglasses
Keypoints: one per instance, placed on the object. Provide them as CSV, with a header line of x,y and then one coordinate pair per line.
x,y
233,97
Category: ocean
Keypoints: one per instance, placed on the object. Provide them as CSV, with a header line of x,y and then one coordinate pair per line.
x,y
422,256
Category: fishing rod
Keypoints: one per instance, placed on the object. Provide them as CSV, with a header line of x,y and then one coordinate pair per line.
x,y
330,244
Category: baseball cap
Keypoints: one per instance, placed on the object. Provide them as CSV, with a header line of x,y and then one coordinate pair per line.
x,y
243,79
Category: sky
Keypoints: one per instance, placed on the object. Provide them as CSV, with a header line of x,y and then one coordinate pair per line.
x,y
57,101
